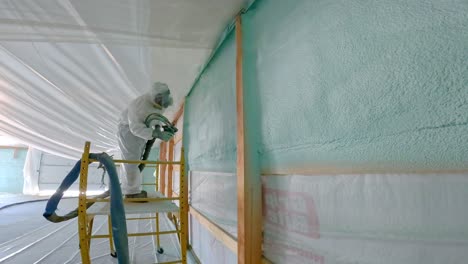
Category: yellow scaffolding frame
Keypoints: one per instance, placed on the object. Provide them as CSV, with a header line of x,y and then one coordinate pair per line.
x,y
85,220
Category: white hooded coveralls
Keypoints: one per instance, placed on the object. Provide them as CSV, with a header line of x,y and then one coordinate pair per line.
x,y
133,134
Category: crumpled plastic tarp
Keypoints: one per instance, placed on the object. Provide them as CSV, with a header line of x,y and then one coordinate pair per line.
x,y
68,68
30,172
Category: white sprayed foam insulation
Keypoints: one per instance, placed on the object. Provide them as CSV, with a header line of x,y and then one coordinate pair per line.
x,y
210,149
26,237
70,67
381,219
346,83
210,114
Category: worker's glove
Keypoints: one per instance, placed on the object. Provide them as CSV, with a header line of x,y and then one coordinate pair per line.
x,y
163,135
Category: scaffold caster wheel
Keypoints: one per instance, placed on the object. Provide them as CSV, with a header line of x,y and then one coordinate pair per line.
x,y
160,250
114,254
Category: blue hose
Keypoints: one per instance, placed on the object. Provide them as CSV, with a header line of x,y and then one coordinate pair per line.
x,y
119,225
57,196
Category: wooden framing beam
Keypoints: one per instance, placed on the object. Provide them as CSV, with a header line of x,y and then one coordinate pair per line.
x,y
12,147
229,241
179,113
167,154
178,137
15,150
249,204
318,171
170,168
162,167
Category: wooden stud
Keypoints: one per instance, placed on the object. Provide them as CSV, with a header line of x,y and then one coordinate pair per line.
x,y
170,174
178,137
368,169
249,206
11,147
15,150
156,173
170,169
221,235
179,113
224,237
162,168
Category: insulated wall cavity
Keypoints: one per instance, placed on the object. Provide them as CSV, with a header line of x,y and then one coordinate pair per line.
x,y
360,86
359,83
210,114
211,152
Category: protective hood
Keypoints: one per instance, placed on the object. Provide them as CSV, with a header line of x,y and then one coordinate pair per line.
x,y
160,95
158,88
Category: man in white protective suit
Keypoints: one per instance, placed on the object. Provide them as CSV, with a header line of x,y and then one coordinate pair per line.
x,y
133,134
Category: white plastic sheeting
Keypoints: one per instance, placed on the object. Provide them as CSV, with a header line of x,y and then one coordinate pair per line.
x,y
214,194
43,173
31,170
67,68
9,141
208,249
26,237
379,219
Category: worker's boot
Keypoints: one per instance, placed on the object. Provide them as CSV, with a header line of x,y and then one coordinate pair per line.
x,y
142,194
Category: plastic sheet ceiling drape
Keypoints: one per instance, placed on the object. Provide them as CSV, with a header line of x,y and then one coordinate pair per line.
x,y
68,68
